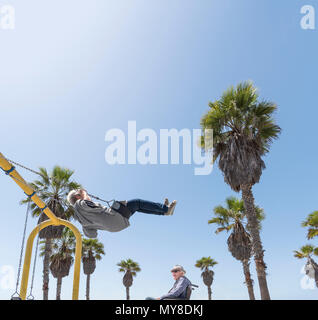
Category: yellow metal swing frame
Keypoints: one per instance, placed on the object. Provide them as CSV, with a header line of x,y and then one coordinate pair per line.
x,y
54,220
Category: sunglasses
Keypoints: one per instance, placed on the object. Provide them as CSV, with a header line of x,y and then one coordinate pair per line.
x,y
175,271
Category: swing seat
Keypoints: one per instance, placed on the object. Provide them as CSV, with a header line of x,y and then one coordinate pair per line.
x,y
16,298
121,208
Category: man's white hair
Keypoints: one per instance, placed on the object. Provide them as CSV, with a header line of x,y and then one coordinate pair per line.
x,y
178,267
71,197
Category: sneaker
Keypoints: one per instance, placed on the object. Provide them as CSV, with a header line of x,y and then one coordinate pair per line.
x,y
171,208
166,202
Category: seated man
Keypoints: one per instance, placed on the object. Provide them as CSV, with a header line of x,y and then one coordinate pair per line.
x,y
94,216
179,289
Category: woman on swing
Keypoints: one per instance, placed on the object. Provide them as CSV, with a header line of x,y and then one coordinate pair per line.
x,y
93,216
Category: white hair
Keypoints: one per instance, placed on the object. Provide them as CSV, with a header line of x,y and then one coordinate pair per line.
x,y
178,267
71,197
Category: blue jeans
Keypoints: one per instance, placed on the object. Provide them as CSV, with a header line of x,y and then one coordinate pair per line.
x,y
145,206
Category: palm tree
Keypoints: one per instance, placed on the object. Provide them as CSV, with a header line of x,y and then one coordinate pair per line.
x,y
204,263
311,266
312,223
61,259
232,217
243,130
130,268
53,189
92,251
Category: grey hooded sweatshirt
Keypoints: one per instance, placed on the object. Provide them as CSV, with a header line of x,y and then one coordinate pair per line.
x,y
93,216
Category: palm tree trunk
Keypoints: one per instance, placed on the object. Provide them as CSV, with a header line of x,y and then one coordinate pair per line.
x,y
127,293
46,270
58,288
248,280
312,262
209,293
253,226
88,279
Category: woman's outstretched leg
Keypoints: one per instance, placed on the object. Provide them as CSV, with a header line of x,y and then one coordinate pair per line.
x,y
149,207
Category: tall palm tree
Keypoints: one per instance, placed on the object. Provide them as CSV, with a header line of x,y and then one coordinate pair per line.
x,y
53,189
61,259
232,217
92,251
308,251
312,223
130,268
243,130
204,264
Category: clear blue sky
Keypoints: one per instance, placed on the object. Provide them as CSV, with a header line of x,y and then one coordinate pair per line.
x,y
72,70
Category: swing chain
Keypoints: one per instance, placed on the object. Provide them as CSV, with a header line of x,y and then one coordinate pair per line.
x,y
50,178
22,166
21,251
97,198
30,296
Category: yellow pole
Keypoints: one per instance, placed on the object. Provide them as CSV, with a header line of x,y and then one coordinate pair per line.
x,y
27,257
10,170
78,256
28,254
5,165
